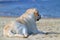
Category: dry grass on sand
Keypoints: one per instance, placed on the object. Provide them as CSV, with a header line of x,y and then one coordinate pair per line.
x,y
52,26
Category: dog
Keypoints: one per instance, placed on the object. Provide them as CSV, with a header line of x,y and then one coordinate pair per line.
x,y
24,25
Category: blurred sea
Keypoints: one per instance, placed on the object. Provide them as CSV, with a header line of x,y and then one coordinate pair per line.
x,y
47,8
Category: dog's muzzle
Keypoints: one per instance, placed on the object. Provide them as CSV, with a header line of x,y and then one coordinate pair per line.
x,y
39,17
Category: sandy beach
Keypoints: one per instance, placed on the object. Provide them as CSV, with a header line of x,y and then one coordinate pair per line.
x,y
50,25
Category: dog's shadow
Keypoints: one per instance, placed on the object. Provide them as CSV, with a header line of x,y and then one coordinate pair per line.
x,y
49,33
46,33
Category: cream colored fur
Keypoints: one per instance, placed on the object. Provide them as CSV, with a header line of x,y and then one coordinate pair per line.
x,y
23,26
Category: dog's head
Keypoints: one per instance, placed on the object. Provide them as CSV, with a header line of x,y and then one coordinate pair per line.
x,y
35,12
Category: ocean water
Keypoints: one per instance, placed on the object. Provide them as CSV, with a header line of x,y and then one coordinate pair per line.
x,y
46,8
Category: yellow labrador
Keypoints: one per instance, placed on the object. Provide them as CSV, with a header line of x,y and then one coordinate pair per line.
x,y
24,25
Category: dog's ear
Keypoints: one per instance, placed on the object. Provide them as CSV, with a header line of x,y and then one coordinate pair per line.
x,y
36,13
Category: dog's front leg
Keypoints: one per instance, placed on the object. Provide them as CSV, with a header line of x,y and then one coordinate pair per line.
x,y
34,28
22,32
25,32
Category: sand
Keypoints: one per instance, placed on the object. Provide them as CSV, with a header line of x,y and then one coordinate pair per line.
x,y
50,25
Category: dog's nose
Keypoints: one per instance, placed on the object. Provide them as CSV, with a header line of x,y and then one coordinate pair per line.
x,y
39,17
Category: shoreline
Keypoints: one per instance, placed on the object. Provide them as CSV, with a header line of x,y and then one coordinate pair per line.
x,y
18,16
